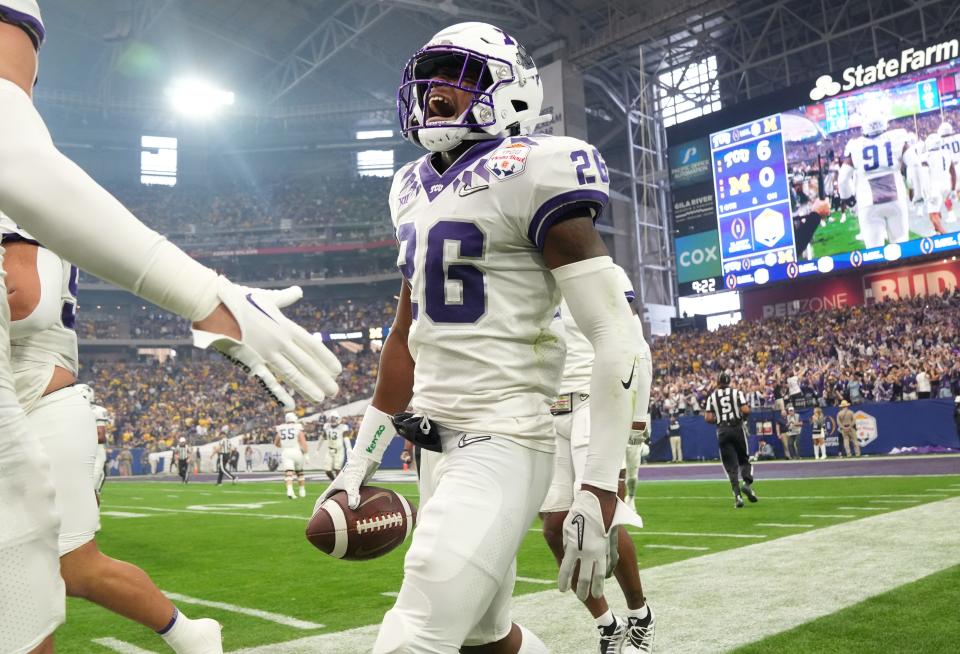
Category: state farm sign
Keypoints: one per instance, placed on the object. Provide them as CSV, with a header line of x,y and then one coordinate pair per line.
x,y
913,281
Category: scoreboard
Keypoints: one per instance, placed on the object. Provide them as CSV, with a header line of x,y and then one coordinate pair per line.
x,y
752,191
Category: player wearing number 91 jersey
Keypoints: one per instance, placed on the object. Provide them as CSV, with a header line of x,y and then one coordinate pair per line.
x,y
872,171
470,243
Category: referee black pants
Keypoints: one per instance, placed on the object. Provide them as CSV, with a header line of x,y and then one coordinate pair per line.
x,y
733,455
183,468
223,463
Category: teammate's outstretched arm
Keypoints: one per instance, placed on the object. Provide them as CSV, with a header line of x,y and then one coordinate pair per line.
x,y
392,394
69,213
593,289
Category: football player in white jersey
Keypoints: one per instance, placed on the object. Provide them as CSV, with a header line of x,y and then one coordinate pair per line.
x,y
41,293
938,180
69,213
495,225
638,448
335,443
871,170
635,632
103,419
293,452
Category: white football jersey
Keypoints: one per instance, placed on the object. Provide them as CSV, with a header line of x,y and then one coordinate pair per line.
x,y
951,145
936,178
33,356
334,434
26,14
578,366
101,415
289,433
878,160
487,354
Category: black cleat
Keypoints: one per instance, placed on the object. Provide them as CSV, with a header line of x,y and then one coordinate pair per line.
x,y
612,636
738,502
748,491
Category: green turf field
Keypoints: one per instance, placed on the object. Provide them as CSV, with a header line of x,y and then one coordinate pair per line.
x,y
243,545
838,238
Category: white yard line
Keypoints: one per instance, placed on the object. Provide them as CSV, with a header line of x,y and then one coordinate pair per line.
x,y
124,514
542,582
677,547
692,597
894,501
827,515
285,620
949,490
265,516
783,524
861,508
121,646
390,593
696,534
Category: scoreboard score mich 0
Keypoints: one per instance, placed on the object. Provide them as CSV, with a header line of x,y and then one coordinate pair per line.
x,y
752,191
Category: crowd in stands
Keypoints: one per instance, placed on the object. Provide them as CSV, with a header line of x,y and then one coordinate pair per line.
x,y
884,352
202,399
148,322
292,213
893,351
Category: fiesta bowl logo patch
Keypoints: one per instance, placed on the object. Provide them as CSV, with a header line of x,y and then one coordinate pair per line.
x,y
866,428
508,161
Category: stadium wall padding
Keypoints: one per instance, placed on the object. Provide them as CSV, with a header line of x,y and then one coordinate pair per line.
x,y
881,428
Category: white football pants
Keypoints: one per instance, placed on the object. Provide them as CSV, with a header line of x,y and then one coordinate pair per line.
x,y
479,498
32,595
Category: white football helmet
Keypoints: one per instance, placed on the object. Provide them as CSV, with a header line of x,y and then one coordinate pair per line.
x,y
86,392
290,417
934,142
183,440
873,123
479,59
945,129
334,417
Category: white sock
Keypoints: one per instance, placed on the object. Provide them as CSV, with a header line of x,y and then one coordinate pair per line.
x,y
289,488
606,619
530,644
640,613
184,635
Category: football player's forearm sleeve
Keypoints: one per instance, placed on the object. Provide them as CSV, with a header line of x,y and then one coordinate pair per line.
x,y
594,293
68,212
47,311
642,405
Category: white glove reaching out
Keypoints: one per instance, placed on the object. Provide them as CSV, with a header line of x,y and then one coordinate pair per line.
x,y
374,435
586,542
271,344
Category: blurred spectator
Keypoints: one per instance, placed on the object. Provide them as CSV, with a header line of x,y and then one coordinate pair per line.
x,y
676,449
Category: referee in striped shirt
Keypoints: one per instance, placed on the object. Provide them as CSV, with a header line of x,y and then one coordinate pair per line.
x,y
727,408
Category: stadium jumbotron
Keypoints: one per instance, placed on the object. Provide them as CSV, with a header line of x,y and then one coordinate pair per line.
x,y
573,325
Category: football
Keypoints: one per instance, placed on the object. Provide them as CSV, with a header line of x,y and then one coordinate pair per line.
x,y
383,520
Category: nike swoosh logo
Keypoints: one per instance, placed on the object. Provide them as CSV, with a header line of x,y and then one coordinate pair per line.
x,y
579,522
464,191
361,551
257,306
470,440
372,497
629,382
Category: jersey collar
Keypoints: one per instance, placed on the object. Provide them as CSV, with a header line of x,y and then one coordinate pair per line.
x,y
433,183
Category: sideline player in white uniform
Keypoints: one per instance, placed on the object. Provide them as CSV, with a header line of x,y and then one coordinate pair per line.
x,y
103,419
41,293
938,180
69,213
293,452
334,437
871,170
638,448
494,226
635,633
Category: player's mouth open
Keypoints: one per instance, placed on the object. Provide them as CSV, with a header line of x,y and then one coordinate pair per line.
x,y
440,108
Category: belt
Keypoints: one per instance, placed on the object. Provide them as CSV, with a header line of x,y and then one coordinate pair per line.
x,y
568,402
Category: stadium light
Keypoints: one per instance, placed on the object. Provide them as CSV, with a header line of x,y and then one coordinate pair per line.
x,y
197,98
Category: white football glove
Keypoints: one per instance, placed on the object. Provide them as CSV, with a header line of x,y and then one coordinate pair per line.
x,y
271,344
586,542
374,435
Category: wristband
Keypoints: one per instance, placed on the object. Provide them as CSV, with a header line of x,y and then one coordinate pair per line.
x,y
375,434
